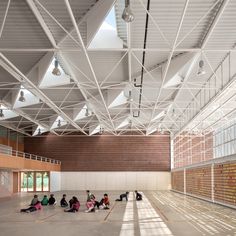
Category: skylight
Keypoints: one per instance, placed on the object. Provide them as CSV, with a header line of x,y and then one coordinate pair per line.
x,y
107,36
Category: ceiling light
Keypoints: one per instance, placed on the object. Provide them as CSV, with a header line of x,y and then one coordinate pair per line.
x,y
130,99
130,123
39,131
174,114
201,70
56,71
87,112
1,113
127,14
22,96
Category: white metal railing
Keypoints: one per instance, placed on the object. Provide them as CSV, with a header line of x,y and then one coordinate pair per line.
x,y
218,160
6,150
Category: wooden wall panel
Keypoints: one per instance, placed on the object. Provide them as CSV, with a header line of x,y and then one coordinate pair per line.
x,y
225,183
104,153
177,180
19,163
198,181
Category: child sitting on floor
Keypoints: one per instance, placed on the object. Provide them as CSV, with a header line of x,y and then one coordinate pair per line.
x,y
90,204
63,201
52,200
104,203
75,205
139,196
44,202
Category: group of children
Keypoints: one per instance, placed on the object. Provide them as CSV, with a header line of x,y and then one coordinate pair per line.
x,y
74,204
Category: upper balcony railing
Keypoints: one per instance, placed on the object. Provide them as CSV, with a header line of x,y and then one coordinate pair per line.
x,y
9,151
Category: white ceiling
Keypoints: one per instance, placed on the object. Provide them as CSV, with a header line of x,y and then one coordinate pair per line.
x,y
101,65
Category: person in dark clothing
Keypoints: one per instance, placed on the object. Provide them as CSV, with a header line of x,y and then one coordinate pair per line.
x,y
35,207
71,202
63,202
75,205
139,196
51,200
123,195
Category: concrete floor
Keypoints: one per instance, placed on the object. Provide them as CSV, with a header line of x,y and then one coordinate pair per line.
x,y
160,213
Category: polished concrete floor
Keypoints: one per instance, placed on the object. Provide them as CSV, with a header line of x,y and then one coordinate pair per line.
x,y
160,213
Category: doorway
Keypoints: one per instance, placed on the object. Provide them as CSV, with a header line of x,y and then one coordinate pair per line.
x,y
15,182
35,181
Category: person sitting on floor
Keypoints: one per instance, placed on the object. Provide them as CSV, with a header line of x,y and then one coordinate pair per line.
x,y
71,202
89,195
52,200
34,206
139,196
123,195
34,200
44,202
104,203
90,204
63,201
75,205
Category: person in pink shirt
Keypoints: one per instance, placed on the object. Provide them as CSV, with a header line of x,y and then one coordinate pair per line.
x,y
90,204
34,206
75,205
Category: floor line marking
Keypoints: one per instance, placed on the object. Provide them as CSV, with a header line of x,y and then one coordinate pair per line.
x,y
105,219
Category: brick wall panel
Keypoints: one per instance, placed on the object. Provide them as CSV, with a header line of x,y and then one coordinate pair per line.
x,y
104,153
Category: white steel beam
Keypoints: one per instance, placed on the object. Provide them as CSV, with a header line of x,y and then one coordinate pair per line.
x,y
41,22
169,60
206,39
87,58
4,18
9,66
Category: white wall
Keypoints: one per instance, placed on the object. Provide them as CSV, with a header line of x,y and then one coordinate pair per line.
x,y
6,183
55,181
115,180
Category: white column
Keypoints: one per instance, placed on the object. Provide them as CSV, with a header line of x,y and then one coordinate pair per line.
x,y
212,182
184,180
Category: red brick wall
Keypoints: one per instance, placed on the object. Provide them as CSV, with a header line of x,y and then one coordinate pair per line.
x,y
104,153
225,183
198,181
177,180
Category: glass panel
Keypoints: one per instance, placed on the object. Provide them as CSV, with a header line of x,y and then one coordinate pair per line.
x,y
38,181
23,181
30,178
46,181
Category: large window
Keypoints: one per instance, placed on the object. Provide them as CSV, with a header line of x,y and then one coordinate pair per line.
x,y
34,181
225,140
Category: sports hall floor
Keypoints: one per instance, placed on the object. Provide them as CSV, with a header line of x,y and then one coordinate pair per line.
x,y
160,213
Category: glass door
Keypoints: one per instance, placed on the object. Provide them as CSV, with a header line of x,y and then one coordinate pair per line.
x,y
30,181
35,181
46,181
39,180
23,178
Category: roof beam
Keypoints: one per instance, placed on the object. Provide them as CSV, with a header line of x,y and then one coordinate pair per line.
x,y
4,18
41,22
9,66
169,60
204,43
88,59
